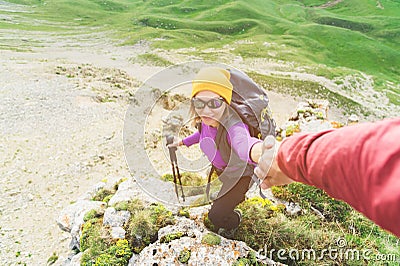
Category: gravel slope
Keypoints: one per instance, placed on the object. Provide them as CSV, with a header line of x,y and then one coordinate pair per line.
x,y
58,138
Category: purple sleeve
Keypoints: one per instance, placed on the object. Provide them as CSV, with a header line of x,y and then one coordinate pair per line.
x,y
192,139
241,141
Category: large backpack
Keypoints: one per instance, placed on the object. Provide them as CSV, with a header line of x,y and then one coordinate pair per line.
x,y
250,102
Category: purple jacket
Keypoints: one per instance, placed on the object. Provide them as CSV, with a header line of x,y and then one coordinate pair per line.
x,y
238,137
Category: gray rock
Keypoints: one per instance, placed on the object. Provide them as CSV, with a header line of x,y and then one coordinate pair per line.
x,y
118,232
226,253
127,190
133,259
353,119
73,214
71,218
292,208
73,261
115,218
197,213
76,260
186,226
193,230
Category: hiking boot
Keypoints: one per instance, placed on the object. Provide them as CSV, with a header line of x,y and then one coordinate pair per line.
x,y
239,213
227,233
230,233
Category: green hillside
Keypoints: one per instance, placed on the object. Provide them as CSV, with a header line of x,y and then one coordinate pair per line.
x,y
357,34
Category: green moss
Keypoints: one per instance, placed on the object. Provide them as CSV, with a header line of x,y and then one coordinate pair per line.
x,y
92,214
184,212
211,239
193,183
291,129
170,237
309,196
107,198
208,224
259,204
92,242
53,258
256,208
160,216
102,194
118,255
187,178
249,260
142,228
91,232
132,206
184,256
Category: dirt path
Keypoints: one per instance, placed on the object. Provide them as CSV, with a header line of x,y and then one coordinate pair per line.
x,y
57,138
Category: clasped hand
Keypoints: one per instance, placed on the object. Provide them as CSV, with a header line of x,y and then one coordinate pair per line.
x,y
268,169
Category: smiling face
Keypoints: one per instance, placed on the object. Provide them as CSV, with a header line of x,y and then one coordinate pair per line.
x,y
212,112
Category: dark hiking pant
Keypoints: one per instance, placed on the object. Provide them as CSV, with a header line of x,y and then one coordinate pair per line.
x,y
221,213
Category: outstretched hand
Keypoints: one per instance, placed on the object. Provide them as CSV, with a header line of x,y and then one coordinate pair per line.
x,y
267,168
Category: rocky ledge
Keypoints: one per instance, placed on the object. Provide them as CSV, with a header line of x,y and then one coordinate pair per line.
x,y
185,241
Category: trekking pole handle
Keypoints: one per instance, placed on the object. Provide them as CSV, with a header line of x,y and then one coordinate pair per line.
x,y
172,150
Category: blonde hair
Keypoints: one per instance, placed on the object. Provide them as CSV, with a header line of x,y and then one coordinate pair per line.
x,y
194,116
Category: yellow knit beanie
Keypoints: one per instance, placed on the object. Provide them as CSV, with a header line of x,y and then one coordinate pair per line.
x,y
213,79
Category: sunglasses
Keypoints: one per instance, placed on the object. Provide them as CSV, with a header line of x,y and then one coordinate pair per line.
x,y
214,103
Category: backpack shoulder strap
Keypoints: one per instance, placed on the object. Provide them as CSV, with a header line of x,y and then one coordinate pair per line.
x,y
198,126
209,182
228,154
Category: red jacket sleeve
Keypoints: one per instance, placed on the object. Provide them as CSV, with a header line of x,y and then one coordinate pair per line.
x,y
358,164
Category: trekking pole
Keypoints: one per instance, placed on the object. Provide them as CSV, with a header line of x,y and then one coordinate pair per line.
x,y
172,157
179,178
257,181
175,168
